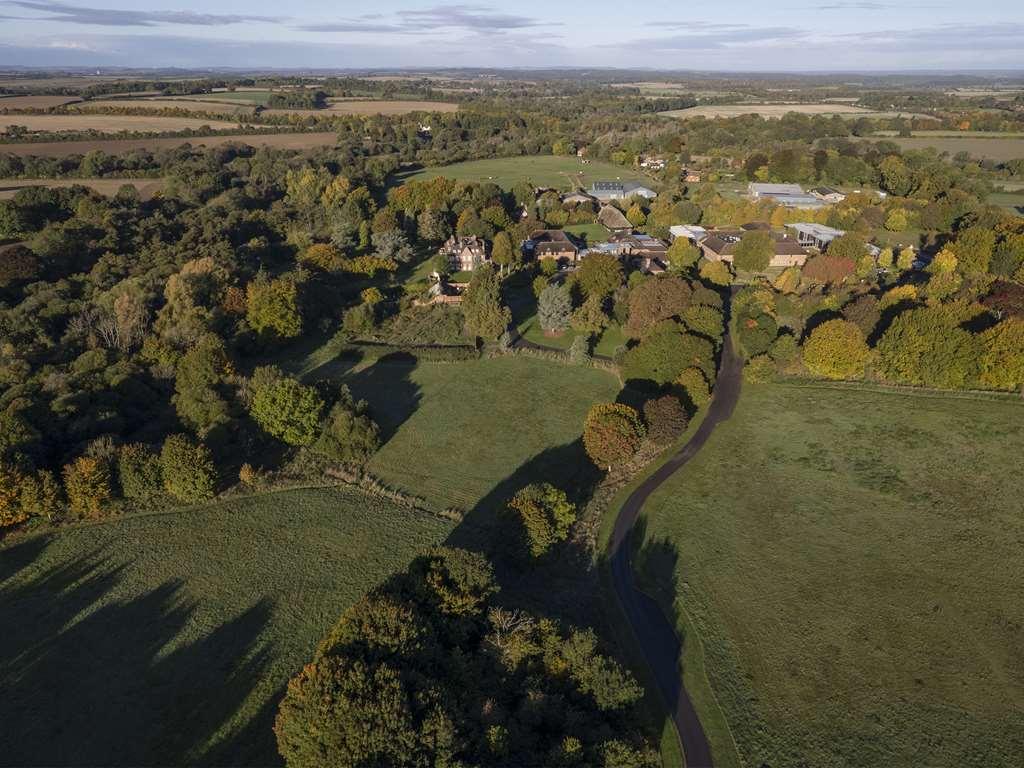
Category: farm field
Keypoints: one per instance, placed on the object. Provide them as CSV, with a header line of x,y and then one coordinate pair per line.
x,y
542,170
171,636
778,110
955,134
113,146
983,148
354,107
147,188
1014,201
109,123
454,431
167,103
35,102
856,592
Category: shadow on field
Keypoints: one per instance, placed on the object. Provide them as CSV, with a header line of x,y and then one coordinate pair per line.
x,y
393,398
90,680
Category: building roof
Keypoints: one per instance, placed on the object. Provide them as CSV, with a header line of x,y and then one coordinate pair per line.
x,y
755,226
817,231
725,242
823,191
611,217
620,187
759,188
689,231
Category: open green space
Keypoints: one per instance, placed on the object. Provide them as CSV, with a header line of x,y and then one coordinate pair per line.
x,y
167,639
523,304
541,170
850,559
454,431
985,148
248,97
1014,201
588,234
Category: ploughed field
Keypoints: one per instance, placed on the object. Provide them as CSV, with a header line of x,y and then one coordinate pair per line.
x,y
851,560
167,639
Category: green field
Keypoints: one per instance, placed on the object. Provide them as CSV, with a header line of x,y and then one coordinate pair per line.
x,y
851,560
588,234
983,148
167,639
1014,201
455,431
247,97
541,170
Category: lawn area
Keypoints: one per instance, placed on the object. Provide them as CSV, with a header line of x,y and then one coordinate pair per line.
x,y
455,431
542,170
524,315
588,234
856,591
167,639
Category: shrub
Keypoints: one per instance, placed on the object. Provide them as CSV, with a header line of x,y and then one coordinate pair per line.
x,y
836,350
349,435
784,349
188,470
87,485
579,350
546,514
695,385
759,370
612,433
665,417
138,470
285,408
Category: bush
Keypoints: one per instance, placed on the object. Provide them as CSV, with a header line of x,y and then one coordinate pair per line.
x,y
546,514
188,470
349,435
836,350
612,433
87,485
695,385
759,370
138,470
665,417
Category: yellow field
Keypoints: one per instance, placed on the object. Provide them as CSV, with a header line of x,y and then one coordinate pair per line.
x,y
115,146
147,188
35,102
774,111
107,123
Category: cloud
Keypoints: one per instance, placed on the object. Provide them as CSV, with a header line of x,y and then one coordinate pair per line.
x,y
1005,36
115,17
717,40
467,18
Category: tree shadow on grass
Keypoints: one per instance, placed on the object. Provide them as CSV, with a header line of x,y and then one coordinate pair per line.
x,y
91,679
388,387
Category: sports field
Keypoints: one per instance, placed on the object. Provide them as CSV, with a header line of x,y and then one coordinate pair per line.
x,y
542,170
851,560
167,639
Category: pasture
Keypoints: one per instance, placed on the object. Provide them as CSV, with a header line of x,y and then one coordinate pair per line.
x,y
108,123
999,149
114,146
35,102
542,170
454,431
775,111
147,188
166,639
856,591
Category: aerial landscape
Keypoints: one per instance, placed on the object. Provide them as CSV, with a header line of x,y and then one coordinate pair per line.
x,y
427,384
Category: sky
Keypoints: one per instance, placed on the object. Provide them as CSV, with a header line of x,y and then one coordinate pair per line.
x,y
728,35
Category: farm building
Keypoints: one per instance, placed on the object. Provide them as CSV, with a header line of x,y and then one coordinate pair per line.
x,y
577,197
611,218
720,245
620,190
828,194
551,244
788,195
466,253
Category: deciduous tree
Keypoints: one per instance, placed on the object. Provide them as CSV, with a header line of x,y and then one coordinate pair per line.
x,y
612,434
546,514
836,350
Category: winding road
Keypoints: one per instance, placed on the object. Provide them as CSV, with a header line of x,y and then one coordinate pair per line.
x,y
655,634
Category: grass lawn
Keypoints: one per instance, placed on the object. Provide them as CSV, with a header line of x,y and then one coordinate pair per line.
x,y
167,639
589,234
541,170
1014,201
455,431
856,590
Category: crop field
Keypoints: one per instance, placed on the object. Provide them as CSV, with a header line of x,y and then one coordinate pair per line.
x,y
114,146
35,102
147,188
983,148
167,103
243,95
108,123
856,591
169,637
778,110
543,170
455,431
